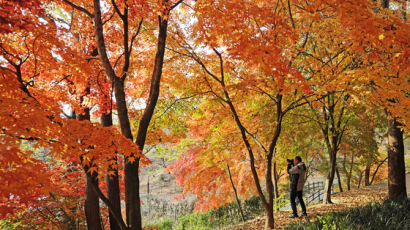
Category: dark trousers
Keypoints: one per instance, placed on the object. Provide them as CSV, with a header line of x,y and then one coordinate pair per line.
x,y
299,195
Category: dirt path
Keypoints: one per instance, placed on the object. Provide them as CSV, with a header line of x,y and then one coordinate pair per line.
x,y
342,201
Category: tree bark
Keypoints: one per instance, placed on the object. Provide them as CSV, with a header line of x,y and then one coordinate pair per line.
x,y
236,194
132,201
276,178
329,180
92,204
339,180
349,178
275,187
396,167
268,178
367,173
360,179
113,186
92,201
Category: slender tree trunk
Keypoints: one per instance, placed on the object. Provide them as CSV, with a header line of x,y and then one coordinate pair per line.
x,y
268,208
334,123
132,170
377,169
339,180
92,204
396,167
132,200
92,201
270,223
329,179
269,214
367,173
350,172
360,179
113,186
131,177
275,186
236,194
276,178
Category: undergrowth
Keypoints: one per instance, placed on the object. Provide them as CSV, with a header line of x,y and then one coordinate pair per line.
x,y
216,218
390,214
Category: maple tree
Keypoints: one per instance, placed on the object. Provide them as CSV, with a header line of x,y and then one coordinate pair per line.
x,y
239,79
329,58
88,133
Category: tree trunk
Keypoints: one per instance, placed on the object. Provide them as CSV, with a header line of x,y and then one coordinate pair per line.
x,y
92,204
270,221
269,157
92,201
396,167
132,170
329,179
377,169
132,199
367,173
236,194
276,178
339,180
132,202
348,179
397,172
113,186
331,122
360,179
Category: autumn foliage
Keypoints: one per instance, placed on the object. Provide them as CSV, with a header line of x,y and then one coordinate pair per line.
x,y
86,85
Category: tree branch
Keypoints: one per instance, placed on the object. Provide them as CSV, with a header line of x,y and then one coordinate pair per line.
x,y
117,10
175,5
377,169
79,8
107,202
134,36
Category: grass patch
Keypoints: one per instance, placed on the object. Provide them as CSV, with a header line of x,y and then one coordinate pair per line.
x,y
216,218
390,214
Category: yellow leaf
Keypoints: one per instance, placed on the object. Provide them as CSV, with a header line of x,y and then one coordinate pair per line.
x,y
131,159
92,170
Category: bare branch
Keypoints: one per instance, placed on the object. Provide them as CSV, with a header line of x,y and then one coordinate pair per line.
x,y
175,5
221,66
290,15
109,18
117,10
79,8
135,35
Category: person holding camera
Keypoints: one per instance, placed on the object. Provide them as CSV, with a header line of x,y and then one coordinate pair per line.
x,y
297,171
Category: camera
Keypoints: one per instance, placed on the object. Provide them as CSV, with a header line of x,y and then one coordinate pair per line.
x,y
290,161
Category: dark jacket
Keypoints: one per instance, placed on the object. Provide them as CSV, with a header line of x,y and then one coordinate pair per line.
x,y
297,176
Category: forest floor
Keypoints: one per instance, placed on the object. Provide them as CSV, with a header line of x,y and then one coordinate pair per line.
x,y
341,202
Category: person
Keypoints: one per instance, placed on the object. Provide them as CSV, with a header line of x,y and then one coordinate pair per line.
x,y
297,180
